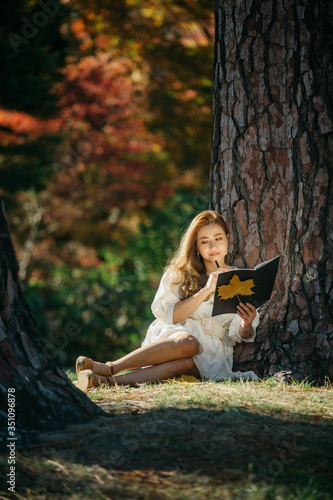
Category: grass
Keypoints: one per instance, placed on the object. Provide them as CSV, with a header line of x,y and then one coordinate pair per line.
x,y
181,440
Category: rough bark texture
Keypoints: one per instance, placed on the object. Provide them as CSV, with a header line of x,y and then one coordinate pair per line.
x,y
45,399
271,173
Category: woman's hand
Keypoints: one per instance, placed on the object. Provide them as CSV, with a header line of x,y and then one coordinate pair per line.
x,y
247,312
212,280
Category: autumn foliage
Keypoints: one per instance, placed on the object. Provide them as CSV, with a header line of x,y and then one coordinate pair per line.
x,y
105,123
131,124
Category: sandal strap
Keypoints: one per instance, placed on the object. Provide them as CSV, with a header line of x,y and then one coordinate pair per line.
x,y
110,364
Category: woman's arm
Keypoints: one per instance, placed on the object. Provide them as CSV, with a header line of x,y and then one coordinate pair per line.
x,y
184,308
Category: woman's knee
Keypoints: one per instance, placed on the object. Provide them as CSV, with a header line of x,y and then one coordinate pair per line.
x,y
188,345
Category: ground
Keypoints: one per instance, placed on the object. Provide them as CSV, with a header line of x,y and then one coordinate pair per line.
x,y
187,440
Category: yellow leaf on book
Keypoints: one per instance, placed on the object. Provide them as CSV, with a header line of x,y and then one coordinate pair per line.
x,y
235,287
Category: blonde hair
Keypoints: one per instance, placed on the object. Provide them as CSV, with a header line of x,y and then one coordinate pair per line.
x,y
187,267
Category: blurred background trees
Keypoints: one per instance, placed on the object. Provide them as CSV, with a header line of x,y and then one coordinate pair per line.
x,y
105,125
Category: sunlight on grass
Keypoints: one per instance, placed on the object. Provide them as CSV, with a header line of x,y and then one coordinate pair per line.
x,y
266,397
297,399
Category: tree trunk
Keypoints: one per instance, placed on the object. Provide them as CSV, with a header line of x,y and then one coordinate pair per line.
x,y
271,171
45,399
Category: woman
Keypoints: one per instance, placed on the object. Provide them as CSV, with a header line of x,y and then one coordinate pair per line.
x,y
184,339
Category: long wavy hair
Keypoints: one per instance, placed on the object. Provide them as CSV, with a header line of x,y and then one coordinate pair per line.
x,y
188,268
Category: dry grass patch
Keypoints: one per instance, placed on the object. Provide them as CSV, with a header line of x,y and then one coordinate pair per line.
x,y
266,397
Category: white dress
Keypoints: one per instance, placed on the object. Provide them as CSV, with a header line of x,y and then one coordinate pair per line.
x,y
217,335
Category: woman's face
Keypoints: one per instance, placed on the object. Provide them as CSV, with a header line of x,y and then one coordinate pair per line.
x,y
212,244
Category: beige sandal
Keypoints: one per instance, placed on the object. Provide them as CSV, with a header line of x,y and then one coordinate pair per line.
x,y
84,363
88,379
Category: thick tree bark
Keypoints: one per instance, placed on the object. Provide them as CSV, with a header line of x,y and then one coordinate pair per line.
x,y
271,172
45,399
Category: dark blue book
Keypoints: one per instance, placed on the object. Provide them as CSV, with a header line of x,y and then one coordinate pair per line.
x,y
254,286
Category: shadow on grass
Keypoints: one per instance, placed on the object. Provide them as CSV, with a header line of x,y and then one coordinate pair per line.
x,y
228,447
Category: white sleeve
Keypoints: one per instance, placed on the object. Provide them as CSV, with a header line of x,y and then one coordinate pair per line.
x,y
166,298
233,333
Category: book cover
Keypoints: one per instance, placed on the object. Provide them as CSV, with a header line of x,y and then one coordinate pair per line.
x,y
254,286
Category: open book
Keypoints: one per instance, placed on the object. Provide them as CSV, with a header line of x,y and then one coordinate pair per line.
x,y
245,285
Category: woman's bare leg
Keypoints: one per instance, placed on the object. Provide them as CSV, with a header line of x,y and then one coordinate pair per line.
x,y
162,351
163,371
